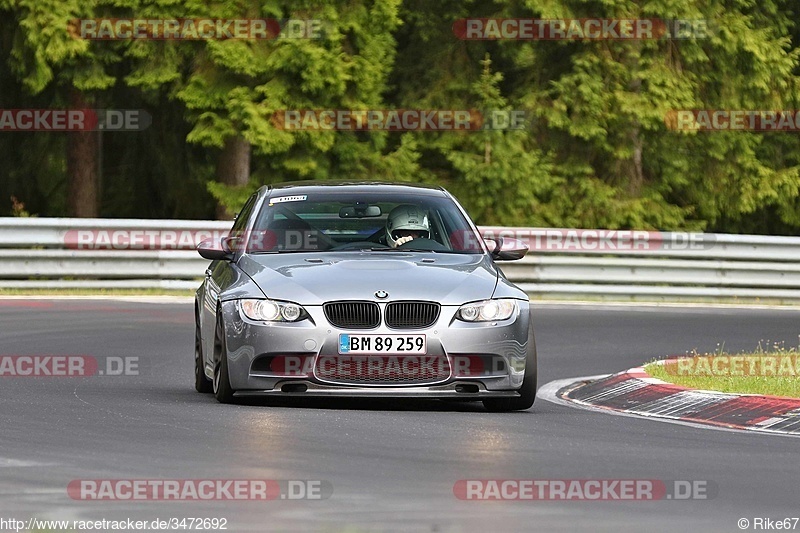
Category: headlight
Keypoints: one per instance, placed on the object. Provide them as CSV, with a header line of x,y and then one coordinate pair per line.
x,y
271,311
487,310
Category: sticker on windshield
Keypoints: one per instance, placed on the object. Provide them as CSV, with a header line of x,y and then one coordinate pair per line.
x,y
282,199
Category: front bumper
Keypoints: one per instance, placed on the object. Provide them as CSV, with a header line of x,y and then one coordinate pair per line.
x,y
460,389
506,343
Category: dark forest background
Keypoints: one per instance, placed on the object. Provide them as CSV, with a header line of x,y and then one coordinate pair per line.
x,y
596,151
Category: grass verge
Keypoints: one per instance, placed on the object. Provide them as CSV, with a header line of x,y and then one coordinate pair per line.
x,y
774,373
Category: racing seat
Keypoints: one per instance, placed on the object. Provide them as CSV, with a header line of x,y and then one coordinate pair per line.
x,y
294,234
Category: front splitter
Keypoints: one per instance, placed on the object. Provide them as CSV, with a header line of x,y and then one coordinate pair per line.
x,y
438,391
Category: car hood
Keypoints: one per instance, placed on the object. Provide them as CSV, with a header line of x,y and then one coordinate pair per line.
x,y
316,278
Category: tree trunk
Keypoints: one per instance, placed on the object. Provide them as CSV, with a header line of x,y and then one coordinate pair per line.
x,y
233,168
636,181
637,178
82,178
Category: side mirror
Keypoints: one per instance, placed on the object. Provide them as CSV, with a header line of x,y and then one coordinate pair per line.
x,y
214,250
507,249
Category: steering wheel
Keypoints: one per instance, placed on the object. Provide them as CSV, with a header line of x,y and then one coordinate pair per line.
x,y
424,244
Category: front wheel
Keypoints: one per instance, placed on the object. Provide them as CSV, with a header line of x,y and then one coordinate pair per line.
x,y
201,382
222,383
527,393
524,401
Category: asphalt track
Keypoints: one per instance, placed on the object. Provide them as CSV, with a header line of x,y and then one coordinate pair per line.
x,y
392,466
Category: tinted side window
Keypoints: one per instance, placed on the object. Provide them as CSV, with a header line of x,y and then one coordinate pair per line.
x,y
240,223
244,215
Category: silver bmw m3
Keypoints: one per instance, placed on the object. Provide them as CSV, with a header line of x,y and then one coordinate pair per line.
x,y
362,289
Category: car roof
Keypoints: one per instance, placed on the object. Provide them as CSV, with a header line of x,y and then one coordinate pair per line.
x,y
353,187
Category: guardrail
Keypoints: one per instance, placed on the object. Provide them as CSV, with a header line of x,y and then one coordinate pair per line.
x,y
562,264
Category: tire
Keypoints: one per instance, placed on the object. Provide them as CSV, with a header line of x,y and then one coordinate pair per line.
x,y
527,391
222,383
201,382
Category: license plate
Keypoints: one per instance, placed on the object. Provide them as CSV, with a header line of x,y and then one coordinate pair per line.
x,y
385,344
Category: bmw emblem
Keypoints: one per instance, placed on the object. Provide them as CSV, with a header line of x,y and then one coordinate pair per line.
x,y
381,294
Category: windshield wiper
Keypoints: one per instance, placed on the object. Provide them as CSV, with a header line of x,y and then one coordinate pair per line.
x,y
258,252
375,249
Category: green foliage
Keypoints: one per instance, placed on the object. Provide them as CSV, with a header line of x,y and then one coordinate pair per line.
x,y
596,150
509,171
232,198
44,47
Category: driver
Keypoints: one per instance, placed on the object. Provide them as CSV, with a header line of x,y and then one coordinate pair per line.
x,y
405,223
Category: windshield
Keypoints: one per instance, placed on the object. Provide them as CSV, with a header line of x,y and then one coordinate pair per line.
x,y
323,222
